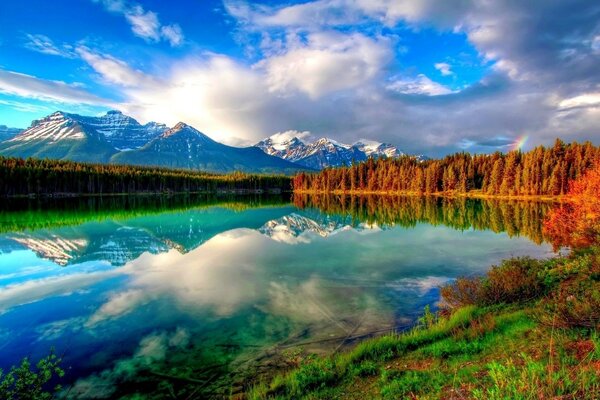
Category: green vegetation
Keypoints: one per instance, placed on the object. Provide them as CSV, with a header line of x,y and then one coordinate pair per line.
x,y
22,382
52,177
32,214
528,329
539,172
499,337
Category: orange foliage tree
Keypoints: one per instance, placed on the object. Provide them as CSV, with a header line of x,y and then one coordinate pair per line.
x,y
577,223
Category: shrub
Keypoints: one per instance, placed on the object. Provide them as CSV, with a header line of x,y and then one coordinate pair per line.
x,y
575,298
515,280
462,292
576,303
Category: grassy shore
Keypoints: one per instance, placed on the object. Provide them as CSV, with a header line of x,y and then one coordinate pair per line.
x,y
527,330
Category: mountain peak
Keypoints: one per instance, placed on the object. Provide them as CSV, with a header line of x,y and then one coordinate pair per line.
x,y
181,125
326,152
111,112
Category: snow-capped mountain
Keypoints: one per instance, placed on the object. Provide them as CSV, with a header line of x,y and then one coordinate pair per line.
x,y
325,152
303,227
375,149
8,133
185,147
118,138
124,132
60,136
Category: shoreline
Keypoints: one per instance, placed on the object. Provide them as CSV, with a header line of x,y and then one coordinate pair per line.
x,y
469,195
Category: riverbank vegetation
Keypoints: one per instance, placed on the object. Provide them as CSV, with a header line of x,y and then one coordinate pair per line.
x,y
539,172
23,177
528,329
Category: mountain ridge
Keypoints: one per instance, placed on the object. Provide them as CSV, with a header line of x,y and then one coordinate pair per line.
x,y
117,138
325,152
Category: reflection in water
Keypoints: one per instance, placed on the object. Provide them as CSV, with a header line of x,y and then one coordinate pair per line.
x,y
514,217
189,300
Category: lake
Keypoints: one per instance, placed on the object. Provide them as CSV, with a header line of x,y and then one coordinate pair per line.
x,y
191,295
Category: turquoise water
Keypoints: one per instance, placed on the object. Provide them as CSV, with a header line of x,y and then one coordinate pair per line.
x,y
197,298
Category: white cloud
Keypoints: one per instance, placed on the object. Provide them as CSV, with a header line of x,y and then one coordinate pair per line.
x,y
32,87
328,62
43,44
581,101
344,12
144,23
421,85
173,34
282,137
113,70
444,68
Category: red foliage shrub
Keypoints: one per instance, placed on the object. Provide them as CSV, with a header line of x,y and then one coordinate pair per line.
x,y
577,223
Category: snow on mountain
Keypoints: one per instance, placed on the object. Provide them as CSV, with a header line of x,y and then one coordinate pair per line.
x,y
325,152
376,149
185,147
124,132
59,136
303,228
52,247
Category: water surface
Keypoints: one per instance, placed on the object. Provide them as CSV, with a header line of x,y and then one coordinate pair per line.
x,y
192,295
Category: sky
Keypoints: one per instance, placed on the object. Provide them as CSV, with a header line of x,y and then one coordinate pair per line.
x,y
431,77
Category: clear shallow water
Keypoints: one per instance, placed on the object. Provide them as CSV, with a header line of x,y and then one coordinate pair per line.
x,y
194,295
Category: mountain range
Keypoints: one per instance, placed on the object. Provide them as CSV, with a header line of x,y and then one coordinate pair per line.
x,y
120,139
325,152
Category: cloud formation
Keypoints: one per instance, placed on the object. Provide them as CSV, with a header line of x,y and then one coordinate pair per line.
x,y
32,87
144,23
336,68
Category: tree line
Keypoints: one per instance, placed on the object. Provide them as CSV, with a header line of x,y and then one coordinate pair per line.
x,y
515,217
541,171
50,177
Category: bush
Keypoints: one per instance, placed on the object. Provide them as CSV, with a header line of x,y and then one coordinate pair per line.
x,y
576,303
515,280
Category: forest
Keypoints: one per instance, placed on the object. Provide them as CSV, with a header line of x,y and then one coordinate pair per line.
x,y
52,177
542,171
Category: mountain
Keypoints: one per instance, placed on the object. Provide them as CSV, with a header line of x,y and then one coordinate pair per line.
x,y
60,136
8,133
123,132
375,149
185,147
325,152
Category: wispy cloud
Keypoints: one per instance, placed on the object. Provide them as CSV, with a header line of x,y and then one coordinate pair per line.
x,y
32,87
144,23
420,85
43,44
113,70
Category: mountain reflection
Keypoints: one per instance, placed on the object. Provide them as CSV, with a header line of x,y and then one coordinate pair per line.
x,y
152,296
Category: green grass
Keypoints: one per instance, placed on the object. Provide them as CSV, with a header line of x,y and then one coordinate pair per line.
x,y
507,350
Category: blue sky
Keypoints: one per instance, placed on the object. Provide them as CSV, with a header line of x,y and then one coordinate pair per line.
x,y
429,76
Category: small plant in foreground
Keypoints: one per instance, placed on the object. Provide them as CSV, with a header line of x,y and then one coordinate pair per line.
x,y
21,382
